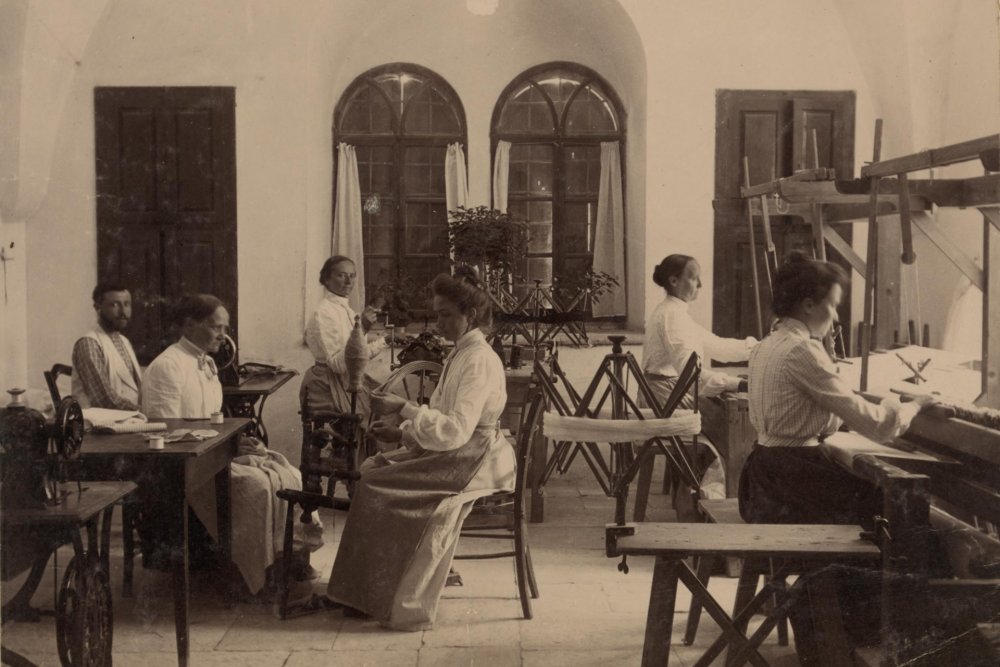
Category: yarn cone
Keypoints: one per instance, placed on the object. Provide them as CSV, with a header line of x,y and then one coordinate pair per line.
x,y
356,356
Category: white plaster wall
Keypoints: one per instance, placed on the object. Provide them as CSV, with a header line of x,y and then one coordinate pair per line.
x,y
290,62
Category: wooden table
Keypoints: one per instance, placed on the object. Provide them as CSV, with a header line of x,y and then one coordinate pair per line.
x,y
247,399
84,615
169,475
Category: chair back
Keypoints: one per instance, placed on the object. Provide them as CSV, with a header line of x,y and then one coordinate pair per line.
x,y
529,428
52,380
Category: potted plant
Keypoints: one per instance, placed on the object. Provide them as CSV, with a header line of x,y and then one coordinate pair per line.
x,y
489,240
579,291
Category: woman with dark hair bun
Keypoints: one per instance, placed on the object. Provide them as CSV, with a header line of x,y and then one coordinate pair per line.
x,y
672,334
324,386
410,503
797,399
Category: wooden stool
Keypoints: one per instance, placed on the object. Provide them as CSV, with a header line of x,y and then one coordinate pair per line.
x,y
727,511
671,543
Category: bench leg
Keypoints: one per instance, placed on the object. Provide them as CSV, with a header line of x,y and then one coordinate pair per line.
x,y
660,618
642,489
704,567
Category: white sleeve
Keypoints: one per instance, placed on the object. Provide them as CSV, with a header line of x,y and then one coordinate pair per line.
x,y
451,427
332,338
728,349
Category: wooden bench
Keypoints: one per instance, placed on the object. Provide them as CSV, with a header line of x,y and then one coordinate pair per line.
x,y
727,511
809,546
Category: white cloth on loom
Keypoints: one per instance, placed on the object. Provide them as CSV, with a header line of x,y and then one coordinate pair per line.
x,y
180,383
585,429
672,335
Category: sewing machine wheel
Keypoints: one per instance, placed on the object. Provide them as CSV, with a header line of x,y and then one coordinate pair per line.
x,y
226,355
67,431
84,616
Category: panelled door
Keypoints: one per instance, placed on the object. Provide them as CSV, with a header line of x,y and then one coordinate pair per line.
x,y
166,200
773,130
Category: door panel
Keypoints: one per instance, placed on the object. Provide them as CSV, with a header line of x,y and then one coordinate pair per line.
x,y
773,130
166,200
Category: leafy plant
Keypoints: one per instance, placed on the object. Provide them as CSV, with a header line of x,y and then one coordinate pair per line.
x,y
488,239
566,288
398,297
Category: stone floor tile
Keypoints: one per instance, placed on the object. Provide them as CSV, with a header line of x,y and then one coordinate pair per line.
x,y
353,659
607,631
582,658
489,656
365,635
259,632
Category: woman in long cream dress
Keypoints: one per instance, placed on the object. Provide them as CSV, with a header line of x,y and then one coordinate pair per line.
x,y
324,386
409,506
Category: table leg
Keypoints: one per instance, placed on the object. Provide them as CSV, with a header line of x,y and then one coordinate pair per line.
x,y
660,618
179,568
259,419
224,518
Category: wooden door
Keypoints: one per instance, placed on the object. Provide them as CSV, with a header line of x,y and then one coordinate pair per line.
x,y
166,201
772,129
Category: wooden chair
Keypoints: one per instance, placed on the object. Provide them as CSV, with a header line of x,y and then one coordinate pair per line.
x,y
130,504
52,380
340,434
502,515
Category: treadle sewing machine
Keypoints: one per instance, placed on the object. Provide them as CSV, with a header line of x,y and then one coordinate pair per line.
x,y
41,513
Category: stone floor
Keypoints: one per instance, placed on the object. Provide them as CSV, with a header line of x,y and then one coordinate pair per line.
x,y
588,612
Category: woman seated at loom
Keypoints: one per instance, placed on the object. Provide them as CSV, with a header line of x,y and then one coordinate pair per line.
x,y
672,336
409,506
797,399
325,384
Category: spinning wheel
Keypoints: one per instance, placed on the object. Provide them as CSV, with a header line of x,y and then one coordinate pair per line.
x,y
226,355
84,615
67,430
414,381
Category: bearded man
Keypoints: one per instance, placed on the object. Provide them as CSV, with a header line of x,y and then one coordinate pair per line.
x,y
105,370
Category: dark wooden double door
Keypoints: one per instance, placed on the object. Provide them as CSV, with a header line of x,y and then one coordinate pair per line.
x,y
166,201
772,129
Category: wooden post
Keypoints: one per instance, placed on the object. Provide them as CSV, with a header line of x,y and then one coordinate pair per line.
x,y
904,220
991,308
753,252
870,261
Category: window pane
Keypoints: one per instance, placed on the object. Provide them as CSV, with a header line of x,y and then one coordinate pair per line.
x,y
591,113
576,235
426,228
539,221
559,86
539,268
430,113
527,111
366,113
375,165
424,170
530,170
379,228
583,170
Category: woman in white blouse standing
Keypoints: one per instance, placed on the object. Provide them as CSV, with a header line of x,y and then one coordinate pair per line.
x,y
672,335
325,384
410,503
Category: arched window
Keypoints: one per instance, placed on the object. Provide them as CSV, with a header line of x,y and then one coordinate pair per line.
x,y
400,118
555,117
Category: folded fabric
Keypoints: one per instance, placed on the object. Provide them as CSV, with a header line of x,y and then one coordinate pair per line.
x,y
106,416
130,427
585,429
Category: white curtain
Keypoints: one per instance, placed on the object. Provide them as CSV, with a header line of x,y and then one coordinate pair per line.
x,y
501,173
347,237
609,231
456,187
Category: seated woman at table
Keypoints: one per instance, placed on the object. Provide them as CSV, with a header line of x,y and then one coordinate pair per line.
x,y
797,399
183,382
409,506
672,335
325,384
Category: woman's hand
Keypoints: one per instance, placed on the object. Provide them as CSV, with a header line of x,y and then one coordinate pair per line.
x,y
386,432
387,404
